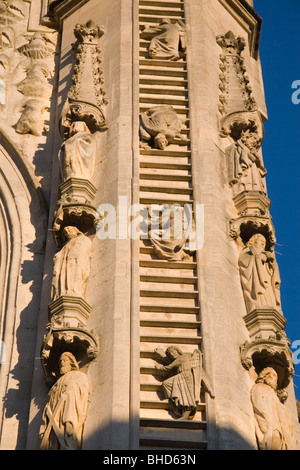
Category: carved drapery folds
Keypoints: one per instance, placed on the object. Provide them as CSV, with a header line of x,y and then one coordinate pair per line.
x,y
68,337
268,349
187,378
160,127
167,40
65,413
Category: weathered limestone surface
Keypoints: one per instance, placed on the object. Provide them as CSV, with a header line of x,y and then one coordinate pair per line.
x,y
105,107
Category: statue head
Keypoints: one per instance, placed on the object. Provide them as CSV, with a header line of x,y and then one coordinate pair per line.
x,y
78,126
173,352
67,362
161,141
251,140
257,240
70,232
269,377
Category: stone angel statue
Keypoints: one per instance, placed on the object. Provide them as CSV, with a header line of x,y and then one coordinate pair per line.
x,y
183,387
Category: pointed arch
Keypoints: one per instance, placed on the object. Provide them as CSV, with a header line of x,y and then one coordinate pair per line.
x,y
23,231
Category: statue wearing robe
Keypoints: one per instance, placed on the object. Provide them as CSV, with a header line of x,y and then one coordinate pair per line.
x,y
183,388
169,233
168,41
66,411
246,170
273,422
259,274
72,265
161,125
78,153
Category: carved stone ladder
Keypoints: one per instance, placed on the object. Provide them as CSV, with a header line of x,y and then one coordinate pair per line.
x,y
169,308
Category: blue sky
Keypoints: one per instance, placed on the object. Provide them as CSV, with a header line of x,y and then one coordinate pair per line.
x,y
280,57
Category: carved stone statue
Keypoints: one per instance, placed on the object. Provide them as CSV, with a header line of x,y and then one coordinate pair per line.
x,y
78,153
274,426
184,386
168,41
65,413
169,232
71,265
160,126
246,169
259,274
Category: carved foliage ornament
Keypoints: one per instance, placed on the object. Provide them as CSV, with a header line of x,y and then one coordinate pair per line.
x,y
87,95
238,107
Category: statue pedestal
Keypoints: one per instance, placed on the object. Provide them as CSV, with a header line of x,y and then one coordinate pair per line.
x,y
264,322
69,311
249,201
76,190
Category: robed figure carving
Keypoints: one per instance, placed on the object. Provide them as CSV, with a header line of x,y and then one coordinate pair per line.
x,y
168,42
72,264
183,388
273,421
78,153
169,232
160,127
259,274
65,413
246,171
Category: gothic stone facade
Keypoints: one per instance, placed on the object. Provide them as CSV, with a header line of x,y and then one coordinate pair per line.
x,y
140,294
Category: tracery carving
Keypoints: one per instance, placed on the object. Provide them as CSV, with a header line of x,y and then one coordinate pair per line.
x,y
160,127
183,388
167,40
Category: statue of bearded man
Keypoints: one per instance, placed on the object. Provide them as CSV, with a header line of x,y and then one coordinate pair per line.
x,y
66,411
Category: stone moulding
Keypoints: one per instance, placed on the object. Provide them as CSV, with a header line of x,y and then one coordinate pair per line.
x,y
270,352
249,19
249,201
76,190
264,322
59,10
69,311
